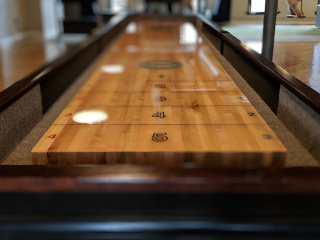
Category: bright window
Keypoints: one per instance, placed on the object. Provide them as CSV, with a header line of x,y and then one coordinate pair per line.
x,y
256,6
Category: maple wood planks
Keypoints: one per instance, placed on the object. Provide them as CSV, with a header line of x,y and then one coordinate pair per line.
x,y
166,100
169,144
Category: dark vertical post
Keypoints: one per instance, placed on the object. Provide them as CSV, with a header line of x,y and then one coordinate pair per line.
x,y
269,27
318,15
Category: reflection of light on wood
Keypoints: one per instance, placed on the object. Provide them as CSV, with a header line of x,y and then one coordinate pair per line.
x,y
155,95
112,69
90,116
132,49
131,28
209,64
193,90
188,34
255,45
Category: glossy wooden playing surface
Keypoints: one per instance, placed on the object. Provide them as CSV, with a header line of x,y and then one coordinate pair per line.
x,y
168,101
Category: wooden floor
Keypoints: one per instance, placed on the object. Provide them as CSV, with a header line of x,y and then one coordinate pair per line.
x,y
21,58
296,47
159,96
301,59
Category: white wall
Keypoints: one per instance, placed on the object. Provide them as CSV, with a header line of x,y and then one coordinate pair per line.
x,y
23,16
9,18
50,18
30,15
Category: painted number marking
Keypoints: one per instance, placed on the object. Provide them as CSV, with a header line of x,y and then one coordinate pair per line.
x,y
159,137
68,115
251,114
267,136
161,64
159,115
161,76
160,86
53,136
243,98
162,99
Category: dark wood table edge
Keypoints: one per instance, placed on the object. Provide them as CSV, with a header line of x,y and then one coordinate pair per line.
x,y
296,86
21,87
133,178
293,84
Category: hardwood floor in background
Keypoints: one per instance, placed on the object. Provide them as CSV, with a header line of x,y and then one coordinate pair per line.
x,y
297,48
301,59
19,58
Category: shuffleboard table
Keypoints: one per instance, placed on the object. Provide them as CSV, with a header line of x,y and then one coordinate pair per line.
x,y
160,97
159,127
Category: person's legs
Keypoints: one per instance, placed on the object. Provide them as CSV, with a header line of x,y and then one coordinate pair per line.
x,y
293,7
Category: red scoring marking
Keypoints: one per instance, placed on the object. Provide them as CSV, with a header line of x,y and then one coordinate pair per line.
x,y
53,136
68,115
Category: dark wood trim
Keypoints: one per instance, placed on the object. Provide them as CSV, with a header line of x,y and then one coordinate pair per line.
x,y
17,90
297,87
155,179
214,26
212,32
261,82
84,24
58,79
79,26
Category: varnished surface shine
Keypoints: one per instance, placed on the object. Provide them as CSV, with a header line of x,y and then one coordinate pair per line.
x,y
167,101
301,59
18,59
130,178
296,48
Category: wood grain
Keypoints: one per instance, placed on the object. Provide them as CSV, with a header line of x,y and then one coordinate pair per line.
x,y
301,60
168,101
21,58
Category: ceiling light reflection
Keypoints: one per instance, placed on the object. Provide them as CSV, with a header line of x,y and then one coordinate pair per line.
x,y
213,69
90,116
193,90
188,34
132,48
255,45
131,28
112,69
